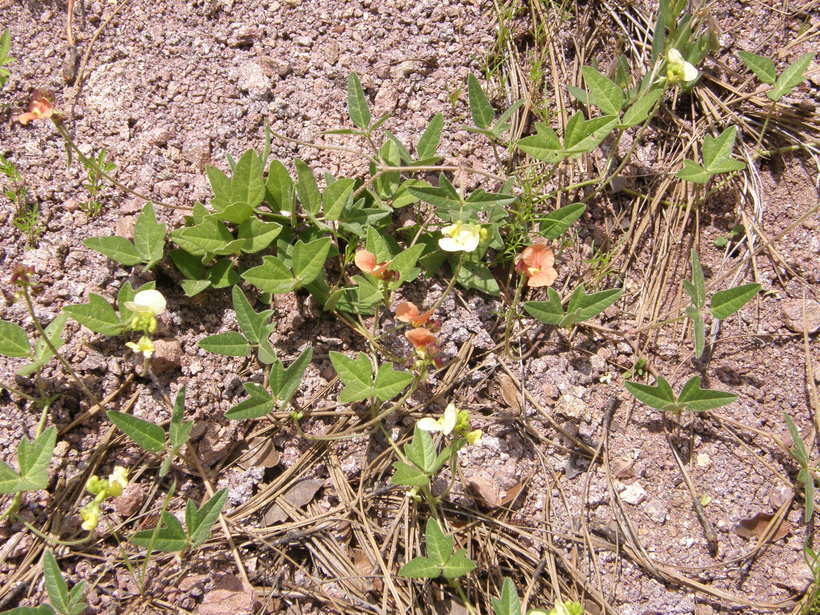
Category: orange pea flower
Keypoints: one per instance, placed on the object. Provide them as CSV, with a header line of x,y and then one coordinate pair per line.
x,y
366,261
536,262
41,107
409,313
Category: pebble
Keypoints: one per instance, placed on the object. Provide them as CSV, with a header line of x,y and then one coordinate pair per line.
x,y
167,356
793,315
251,78
633,494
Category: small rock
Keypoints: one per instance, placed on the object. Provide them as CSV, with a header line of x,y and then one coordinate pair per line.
x,y
633,494
159,136
386,99
703,460
331,52
303,41
655,510
228,596
130,501
167,356
570,406
793,315
168,187
252,79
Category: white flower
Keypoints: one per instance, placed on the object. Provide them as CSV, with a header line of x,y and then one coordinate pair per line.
x,y
117,481
445,424
679,69
147,302
460,237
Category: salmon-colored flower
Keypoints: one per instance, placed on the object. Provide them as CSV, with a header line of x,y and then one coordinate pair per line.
x,y
366,261
420,337
41,107
536,262
409,313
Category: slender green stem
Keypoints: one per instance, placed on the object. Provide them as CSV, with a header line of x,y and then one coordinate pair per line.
x,y
454,583
769,113
511,311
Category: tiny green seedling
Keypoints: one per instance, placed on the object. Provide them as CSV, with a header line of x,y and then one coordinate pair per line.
x,y
63,600
717,158
692,397
146,249
441,559
723,303
170,536
793,75
95,170
580,306
153,438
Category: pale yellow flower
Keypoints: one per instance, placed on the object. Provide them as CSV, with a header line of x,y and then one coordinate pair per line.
x,y
147,302
678,69
460,237
444,424
144,346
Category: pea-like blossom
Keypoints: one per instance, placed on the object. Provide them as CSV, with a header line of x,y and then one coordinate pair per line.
x,y
444,424
366,261
40,107
407,311
460,237
144,346
678,69
147,302
536,262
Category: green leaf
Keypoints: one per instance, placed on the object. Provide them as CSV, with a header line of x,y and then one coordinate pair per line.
x,y
693,172
179,430
409,476
292,377
558,222
194,287
595,303
428,142
168,536
439,555
438,196
272,276
421,451
761,66
544,145
149,237
13,340
254,235
357,103
390,382
583,136
247,185
727,302
579,94
258,404
457,565
149,436
697,289
230,344
42,351
717,148
508,603
420,568
337,196
550,312
603,92
698,334
698,399
255,326
478,276
307,188
118,249
405,263
199,522
640,109
43,609
208,237
791,77
480,107
309,259
798,449
55,584
659,396
356,374
279,189
33,459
